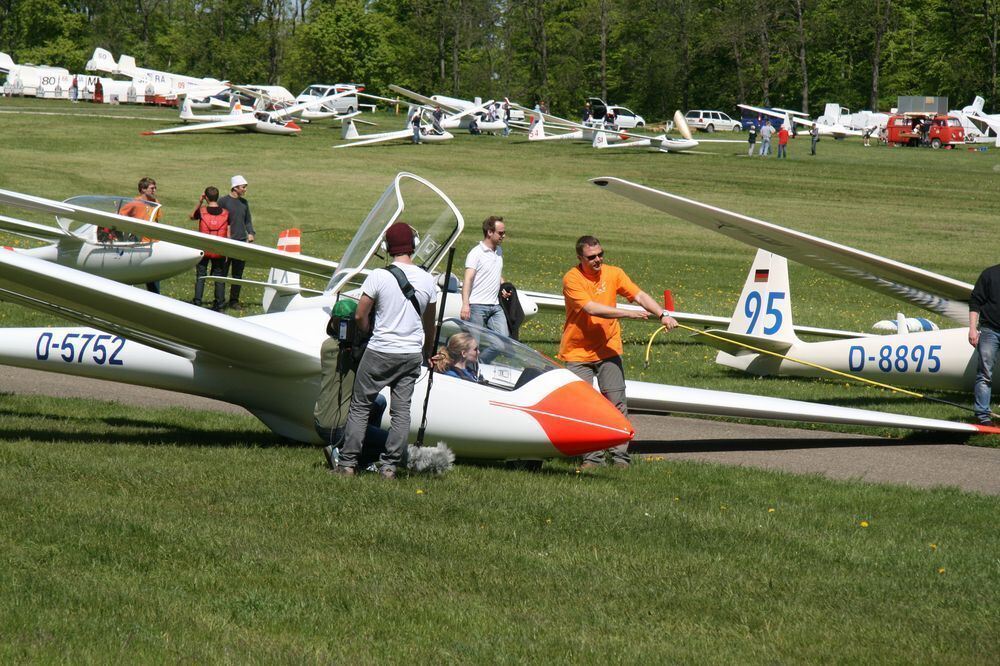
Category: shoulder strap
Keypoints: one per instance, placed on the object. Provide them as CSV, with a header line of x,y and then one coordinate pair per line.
x,y
405,286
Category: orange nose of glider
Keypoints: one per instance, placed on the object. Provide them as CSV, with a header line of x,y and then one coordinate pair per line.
x,y
577,419
292,125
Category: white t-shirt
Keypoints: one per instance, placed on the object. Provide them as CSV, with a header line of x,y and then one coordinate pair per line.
x,y
398,327
489,267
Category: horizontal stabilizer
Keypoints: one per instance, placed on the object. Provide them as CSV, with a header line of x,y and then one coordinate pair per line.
x,y
736,343
277,286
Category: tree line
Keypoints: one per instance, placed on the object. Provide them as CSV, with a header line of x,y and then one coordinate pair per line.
x,y
653,56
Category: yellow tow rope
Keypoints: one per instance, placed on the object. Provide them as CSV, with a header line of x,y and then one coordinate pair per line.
x,y
922,396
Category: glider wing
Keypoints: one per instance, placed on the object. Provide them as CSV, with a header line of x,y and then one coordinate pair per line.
x,y
930,291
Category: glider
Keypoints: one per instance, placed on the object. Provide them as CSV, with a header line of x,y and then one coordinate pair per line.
x,y
941,359
269,363
101,250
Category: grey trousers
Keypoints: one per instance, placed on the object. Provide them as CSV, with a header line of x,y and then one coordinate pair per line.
x,y
610,375
375,372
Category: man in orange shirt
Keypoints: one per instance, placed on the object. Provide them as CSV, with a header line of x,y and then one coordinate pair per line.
x,y
591,342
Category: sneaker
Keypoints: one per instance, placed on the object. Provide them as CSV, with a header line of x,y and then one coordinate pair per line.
x,y
195,301
332,455
341,470
387,473
621,464
984,421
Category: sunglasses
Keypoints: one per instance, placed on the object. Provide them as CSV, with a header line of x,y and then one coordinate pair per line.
x,y
591,257
500,233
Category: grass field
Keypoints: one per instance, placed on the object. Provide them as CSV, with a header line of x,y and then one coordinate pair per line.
x,y
166,535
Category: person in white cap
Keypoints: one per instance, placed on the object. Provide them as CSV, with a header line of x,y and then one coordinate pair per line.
x,y
240,228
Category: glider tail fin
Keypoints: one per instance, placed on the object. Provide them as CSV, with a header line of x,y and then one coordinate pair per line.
x,y
537,130
187,112
681,124
126,65
289,240
600,139
762,319
765,307
348,130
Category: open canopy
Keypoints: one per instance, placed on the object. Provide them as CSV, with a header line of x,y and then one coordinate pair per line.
x,y
436,222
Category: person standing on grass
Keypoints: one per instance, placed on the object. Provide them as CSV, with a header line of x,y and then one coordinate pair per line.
x,y
240,229
813,138
403,337
212,219
783,143
984,335
483,277
766,131
751,139
591,343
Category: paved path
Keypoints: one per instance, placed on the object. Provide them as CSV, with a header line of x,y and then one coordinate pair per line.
x,y
834,455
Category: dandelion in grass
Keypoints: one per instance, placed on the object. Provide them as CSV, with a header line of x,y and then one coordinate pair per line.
x,y
940,570
933,546
770,510
419,491
864,523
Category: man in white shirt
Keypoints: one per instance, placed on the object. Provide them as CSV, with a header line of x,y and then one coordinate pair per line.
x,y
483,276
403,336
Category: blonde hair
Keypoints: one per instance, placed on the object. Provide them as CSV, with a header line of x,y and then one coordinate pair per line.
x,y
452,353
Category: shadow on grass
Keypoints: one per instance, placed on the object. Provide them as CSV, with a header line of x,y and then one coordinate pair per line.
x,y
55,428
714,445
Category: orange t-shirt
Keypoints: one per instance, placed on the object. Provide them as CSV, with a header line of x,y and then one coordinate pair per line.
x,y
139,209
586,338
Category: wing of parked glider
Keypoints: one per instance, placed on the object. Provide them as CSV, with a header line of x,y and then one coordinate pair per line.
x,y
230,248
154,320
931,291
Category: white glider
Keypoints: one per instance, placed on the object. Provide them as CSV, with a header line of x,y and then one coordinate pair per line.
x,y
941,359
120,257
269,363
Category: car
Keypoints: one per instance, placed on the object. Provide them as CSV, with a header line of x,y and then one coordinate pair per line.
x,y
345,104
626,119
712,121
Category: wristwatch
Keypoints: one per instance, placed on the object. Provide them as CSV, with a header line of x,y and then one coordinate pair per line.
x,y
665,313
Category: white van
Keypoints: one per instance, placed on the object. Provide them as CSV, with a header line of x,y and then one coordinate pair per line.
x,y
711,121
345,104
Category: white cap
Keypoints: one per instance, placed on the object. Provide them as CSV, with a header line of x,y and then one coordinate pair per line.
x,y
237,181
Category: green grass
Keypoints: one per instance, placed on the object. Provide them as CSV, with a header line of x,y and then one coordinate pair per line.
x,y
142,537
171,535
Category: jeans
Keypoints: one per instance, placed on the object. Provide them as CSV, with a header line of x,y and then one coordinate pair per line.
x,y
611,381
375,437
416,135
376,371
236,267
765,147
489,316
218,270
989,341
750,151
781,151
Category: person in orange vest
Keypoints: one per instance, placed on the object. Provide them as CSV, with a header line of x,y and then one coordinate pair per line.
x,y
212,219
783,142
140,211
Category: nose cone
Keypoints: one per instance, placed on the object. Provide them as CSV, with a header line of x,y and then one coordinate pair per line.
x,y
292,126
577,420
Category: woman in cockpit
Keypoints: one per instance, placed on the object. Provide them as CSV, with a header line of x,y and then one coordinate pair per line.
x,y
459,358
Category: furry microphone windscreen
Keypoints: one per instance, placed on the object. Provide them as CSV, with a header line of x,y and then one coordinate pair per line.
x,y
430,459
